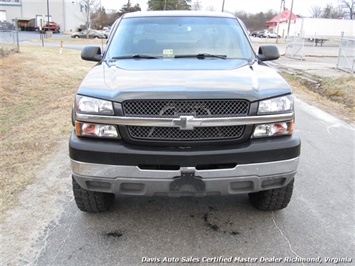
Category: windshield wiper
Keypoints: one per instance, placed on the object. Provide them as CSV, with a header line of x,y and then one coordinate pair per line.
x,y
136,56
202,56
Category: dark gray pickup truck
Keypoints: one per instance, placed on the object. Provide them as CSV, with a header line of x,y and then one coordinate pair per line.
x,y
179,104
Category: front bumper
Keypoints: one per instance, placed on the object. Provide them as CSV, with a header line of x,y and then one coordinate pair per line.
x,y
187,181
112,167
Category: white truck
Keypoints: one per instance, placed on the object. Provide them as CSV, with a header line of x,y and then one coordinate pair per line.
x,y
321,29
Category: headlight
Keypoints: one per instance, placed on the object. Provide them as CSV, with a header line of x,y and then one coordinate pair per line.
x,y
90,105
276,105
96,130
273,130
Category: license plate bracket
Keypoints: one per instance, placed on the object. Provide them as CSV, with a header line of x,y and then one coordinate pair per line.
x,y
188,183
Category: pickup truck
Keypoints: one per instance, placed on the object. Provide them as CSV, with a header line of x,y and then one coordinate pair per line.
x,y
52,26
179,104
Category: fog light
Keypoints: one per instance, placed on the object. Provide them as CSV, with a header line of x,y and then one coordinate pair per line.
x,y
96,130
274,129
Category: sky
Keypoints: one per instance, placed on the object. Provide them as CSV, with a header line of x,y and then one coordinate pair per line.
x,y
300,7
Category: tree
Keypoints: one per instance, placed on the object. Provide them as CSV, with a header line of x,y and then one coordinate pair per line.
x,y
255,21
196,5
128,8
330,11
210,8
169,5
87,7
316,11
349,4
100,18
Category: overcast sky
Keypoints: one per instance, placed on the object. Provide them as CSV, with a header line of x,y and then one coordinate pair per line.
x,y
300,7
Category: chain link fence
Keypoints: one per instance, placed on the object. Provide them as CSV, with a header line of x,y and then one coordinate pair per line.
x,y
346,58
295,47
341,50
9,42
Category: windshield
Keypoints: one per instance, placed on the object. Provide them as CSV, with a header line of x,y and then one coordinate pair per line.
x,y
179,37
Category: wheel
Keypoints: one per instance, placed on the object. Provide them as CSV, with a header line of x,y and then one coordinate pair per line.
x,y
96,37
273,199
90,201
76,36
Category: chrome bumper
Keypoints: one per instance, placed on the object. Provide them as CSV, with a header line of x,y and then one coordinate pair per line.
x,y
131,180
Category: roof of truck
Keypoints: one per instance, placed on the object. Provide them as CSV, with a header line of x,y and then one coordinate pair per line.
x,y
178,13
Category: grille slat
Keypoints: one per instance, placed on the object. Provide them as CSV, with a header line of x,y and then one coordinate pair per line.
x,y
176,108
175,134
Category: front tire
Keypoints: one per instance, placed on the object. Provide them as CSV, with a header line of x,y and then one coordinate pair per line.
x,y
273,199
91,201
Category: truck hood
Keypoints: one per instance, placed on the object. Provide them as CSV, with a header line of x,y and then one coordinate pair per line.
x,y
182,79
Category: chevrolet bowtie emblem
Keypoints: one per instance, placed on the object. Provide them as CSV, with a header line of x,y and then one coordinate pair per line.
x,y
186,122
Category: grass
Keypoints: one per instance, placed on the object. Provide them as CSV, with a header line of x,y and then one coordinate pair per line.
x,y
334,95
37,91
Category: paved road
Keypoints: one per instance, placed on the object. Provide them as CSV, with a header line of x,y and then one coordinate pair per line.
x,y
30,37
10,36
318,223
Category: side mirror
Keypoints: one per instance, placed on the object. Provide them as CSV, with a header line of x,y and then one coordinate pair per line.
x,y
268,53
91,53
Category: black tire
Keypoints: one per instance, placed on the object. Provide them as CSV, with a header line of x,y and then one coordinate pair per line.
x,y
273,199
90,201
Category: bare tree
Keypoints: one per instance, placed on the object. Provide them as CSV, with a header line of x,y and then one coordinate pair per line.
x,y
330,11
316,11
255,21
210,8
87,7
349,5
196,5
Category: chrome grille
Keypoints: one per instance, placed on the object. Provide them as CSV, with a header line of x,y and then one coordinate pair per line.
x,y
175,134
197,108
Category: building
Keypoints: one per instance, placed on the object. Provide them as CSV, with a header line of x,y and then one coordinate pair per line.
x,y
68,14
280,22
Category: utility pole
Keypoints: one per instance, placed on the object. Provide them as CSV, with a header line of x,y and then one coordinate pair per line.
x,y
289,19
48,13
223,6
278,21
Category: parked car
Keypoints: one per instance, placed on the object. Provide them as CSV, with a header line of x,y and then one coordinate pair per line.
x,y
90,34
256,33
180,104
52,26
267,34
106,32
